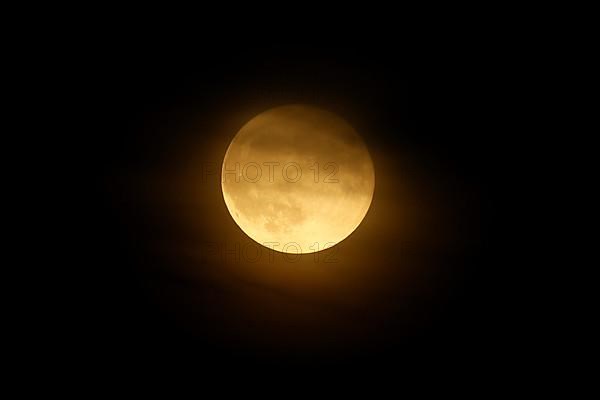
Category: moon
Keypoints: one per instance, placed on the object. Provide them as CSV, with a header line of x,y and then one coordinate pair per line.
x,y
297,179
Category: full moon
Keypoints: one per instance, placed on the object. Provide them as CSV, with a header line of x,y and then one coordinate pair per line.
x,y
297,179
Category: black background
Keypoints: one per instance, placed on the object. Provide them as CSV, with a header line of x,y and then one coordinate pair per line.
x,y
445,106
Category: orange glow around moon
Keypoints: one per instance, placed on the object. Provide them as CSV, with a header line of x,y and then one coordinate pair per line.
x,y
297,179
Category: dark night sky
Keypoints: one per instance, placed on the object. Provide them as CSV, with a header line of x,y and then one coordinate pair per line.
x,y
146,111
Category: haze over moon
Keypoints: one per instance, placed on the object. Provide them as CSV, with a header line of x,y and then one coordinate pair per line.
x,y
297,179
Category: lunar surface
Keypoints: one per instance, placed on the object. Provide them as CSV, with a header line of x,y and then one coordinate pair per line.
x,y
297,179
